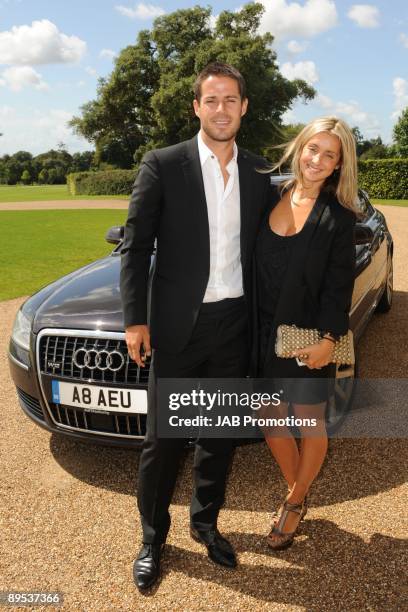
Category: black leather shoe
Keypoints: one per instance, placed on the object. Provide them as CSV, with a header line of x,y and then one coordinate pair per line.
x,y
219,549
146,568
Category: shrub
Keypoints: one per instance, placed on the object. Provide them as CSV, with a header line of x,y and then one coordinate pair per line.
x,y
43,176
26,177
110,182
384,178
74,180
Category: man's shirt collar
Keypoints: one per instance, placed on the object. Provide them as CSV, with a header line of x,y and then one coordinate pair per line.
x,y
205,152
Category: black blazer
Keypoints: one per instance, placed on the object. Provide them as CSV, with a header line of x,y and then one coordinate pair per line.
x,y
168,204
320,274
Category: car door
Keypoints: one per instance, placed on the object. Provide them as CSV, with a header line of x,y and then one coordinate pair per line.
x,y
363,300
379,247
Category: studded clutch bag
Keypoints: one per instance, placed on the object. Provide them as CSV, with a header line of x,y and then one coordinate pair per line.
x,y
289,338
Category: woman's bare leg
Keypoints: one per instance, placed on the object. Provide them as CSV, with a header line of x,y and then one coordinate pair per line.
x,y
313,450
282,445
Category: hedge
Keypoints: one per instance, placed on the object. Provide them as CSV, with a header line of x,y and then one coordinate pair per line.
x,y
384,178
381,178
108,182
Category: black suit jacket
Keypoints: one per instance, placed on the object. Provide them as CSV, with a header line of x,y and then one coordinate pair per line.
x,y
320,274
168,204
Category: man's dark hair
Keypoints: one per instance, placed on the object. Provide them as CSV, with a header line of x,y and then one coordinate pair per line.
x,y
219,69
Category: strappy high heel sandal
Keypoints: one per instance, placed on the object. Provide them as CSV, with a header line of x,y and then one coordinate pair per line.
x,y
276,514
278,539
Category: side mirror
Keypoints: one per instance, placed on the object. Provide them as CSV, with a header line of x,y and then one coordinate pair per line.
x,y
115,234
363,234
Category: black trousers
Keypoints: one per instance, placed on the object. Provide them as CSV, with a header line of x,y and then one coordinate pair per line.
x,y
218,348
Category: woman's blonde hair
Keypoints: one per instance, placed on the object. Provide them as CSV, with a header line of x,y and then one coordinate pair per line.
x,y
342,182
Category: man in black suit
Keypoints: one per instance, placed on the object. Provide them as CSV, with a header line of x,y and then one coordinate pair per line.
x,y
202,201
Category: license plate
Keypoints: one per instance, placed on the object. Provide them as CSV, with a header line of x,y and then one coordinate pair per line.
x,y
103,399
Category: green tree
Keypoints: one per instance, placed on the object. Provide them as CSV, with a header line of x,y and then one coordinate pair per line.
x,y
13,171
376,149
22,156
370,149
26,177
400,134
360,148
54,177
13,166
285,134
3,174
43,176
81,161
121,117
59,162
147,100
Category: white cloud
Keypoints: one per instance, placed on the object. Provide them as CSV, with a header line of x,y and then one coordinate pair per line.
x,y
141,11
294,47
404,40
40,43
37,131
352,109
288,116
6,112
365,15
289,19
91,71
301,70
400,90
17,78
351,112
108,53
324,101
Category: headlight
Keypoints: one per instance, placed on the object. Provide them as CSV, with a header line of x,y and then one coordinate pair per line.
x,y
21,331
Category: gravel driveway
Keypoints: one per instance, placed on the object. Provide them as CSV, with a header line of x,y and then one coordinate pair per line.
x,y
69,521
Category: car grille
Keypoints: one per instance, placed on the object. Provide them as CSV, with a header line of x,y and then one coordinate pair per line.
x,y
57,358
31,404
119,424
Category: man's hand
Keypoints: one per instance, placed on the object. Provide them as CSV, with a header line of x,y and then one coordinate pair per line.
x,y
138,336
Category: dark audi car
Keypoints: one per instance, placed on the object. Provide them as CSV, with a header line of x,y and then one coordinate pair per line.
x,y
68,355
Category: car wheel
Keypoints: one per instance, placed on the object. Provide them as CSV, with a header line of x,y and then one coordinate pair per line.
x,y
340,401
385,302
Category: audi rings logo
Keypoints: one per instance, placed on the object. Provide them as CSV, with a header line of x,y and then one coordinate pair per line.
x,y
99,360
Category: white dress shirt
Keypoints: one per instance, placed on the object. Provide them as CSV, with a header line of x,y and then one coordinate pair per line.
x,y
224,220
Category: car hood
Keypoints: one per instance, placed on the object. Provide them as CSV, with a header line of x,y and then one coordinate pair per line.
x,y
86,299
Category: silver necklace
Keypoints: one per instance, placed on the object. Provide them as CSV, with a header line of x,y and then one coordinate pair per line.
x,y
292,199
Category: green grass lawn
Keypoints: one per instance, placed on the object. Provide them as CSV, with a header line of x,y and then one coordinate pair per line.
x,y
389,202
39,246
35,193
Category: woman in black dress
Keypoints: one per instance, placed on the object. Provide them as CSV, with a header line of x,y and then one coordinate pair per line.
x,y
305,260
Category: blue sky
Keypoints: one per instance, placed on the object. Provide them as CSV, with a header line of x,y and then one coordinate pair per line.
x,y
52,52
